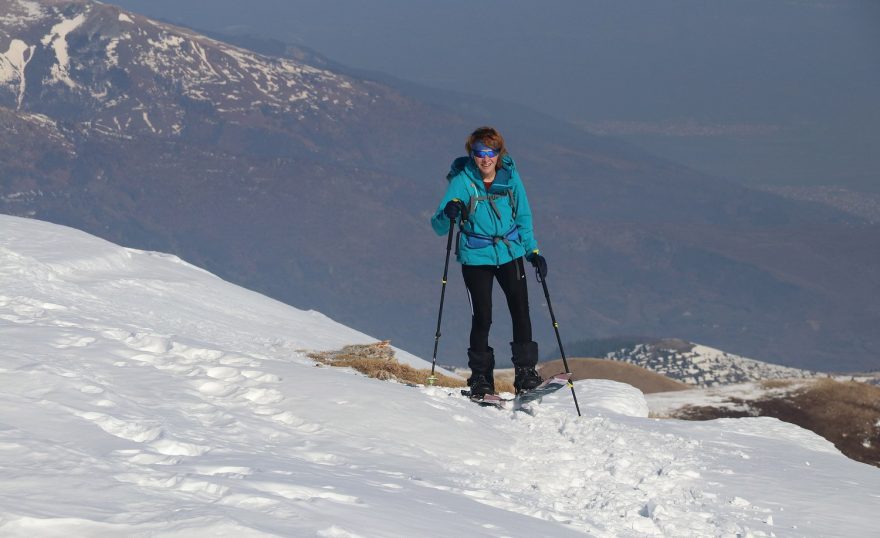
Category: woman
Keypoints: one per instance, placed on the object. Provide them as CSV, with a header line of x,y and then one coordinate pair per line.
x,y
487,194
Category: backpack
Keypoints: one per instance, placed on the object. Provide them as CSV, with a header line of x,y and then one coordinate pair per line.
x,y
475,240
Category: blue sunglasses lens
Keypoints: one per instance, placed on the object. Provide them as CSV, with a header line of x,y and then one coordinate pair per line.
x,y
483,153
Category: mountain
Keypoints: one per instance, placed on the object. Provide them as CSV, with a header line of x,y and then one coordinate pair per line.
x,y
692,363
676,77
144,396
314,185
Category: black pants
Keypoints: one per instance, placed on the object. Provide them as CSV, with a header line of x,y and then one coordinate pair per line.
x,y
512,278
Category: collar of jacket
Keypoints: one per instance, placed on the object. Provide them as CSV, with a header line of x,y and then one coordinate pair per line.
x,y
465,166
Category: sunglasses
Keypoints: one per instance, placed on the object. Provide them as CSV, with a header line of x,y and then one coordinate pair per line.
x,y
484,153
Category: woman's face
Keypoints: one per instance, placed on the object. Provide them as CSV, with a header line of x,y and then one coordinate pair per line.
x,y
485,159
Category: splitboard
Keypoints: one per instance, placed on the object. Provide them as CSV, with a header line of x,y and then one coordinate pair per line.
x,y
549,385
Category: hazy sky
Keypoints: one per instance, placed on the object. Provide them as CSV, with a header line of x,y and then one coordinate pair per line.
x,y
780,91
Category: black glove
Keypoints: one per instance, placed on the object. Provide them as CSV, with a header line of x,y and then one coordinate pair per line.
x,y
453,209
538,262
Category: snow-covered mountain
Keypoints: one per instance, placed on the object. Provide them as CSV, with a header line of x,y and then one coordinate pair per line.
x,y
700,365
124,74
146,397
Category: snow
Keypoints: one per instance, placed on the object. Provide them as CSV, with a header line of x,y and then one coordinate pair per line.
x,y
703,366
733,397
112,54
24,196
57,37
13,63
203,69
146,397
146,118
203,56
21,12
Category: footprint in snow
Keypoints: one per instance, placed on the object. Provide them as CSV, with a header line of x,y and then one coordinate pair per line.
x,y
234,360
288,418
171,447
148,343
261,377
294,492
228,471
226,373
248,502
165,481
71,340
217,389
91,389
132,430
334,531
195,354
262,396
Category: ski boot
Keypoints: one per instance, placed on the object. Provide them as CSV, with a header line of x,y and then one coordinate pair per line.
x,y
482,364
525,358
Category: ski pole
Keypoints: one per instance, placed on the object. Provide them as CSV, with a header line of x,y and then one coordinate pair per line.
x,y
543,282
432,378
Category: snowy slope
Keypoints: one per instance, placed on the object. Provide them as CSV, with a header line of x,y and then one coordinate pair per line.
x,y
145,397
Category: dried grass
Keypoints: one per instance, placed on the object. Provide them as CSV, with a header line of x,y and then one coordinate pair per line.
x,y
847,413
377,361
504,385
645,380
776,383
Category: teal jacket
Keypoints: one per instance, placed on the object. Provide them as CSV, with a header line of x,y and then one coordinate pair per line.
x,y
498,228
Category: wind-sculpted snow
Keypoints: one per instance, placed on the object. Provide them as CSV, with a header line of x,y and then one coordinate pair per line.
x,y
145,397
